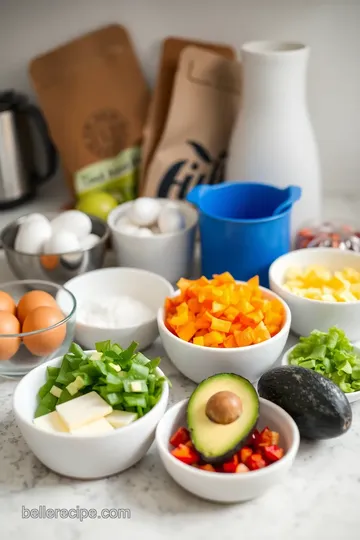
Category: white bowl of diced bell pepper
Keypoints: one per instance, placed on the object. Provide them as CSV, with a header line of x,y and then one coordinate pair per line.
x,y
98,447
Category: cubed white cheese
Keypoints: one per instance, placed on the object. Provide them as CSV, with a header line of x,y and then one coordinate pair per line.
x,y
51,422
83,410
116,367
136,386
121,418
56,391
94,428
96,356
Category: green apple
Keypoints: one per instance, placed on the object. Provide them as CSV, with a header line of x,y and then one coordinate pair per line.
x,y
97,203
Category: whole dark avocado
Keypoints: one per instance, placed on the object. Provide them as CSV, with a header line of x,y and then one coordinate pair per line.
x,y
221,415
319,408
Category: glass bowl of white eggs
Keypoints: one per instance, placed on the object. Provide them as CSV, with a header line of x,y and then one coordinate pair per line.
x,y
155,234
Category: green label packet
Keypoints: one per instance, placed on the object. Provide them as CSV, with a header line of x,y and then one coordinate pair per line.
x,y
117,175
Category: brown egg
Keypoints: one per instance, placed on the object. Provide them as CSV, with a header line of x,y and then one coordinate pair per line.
x,y
50,262
8,325
47,342
33,300
7,303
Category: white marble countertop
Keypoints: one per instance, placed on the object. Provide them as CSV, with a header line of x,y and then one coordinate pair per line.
x,y
317,501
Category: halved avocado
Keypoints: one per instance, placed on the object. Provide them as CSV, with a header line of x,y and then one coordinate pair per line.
x,y
222,412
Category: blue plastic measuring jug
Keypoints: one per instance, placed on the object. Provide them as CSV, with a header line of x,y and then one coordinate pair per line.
x,y
242,228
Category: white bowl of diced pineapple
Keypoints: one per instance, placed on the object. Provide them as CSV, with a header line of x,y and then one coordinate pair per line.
x,y
322,288
93,450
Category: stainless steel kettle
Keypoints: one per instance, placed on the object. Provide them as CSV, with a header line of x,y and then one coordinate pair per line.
x,y
18,176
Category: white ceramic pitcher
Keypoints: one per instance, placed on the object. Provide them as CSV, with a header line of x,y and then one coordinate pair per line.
x,y
273,141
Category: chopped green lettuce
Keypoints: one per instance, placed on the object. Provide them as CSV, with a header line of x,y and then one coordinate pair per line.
x,y
331,354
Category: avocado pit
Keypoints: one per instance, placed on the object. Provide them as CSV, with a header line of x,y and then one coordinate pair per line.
x,y
224,407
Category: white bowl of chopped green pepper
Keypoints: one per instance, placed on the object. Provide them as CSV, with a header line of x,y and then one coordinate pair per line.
x,y
92,414
332,355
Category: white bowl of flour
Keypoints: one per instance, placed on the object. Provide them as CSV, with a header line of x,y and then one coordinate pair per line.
x,y
119,304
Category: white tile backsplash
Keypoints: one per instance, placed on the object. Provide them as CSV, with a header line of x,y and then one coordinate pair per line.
x,y
28,27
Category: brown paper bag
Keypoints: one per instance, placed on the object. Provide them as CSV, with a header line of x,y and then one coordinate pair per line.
x,y
203,109
160,102
95,100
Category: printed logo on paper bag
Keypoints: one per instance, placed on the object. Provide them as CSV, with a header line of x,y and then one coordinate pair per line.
x,y
104,133
188,173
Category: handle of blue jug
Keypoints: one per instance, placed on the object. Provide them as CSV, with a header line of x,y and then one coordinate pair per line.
x,y
194,196
294,193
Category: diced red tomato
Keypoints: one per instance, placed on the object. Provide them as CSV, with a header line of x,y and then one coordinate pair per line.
x,y
185,454
256,461
242,468
181,436
261,450
273,453
230,466
254,438
245,453
207,467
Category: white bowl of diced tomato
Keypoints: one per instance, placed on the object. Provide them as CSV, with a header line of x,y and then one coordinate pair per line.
x,y
260,464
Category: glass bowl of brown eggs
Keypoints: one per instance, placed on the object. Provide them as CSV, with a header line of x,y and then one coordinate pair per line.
x,y
33,328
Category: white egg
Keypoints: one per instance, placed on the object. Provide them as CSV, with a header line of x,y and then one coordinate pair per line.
x,y
72,221
40,218
32,236
125,226
144,211
170,220
143,232
89,241
61,242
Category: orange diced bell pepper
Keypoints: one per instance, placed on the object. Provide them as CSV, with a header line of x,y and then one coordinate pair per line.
x,y
194,305
244,338
261,333
245,453
274,318
187,331
185,454
201,332
181,436
244,307
273,453
256,316
183,284
255,461
199,340
212,339
236,327
202,323
220,325
273,329
229,342
253,282
225,277
231,313
217,307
